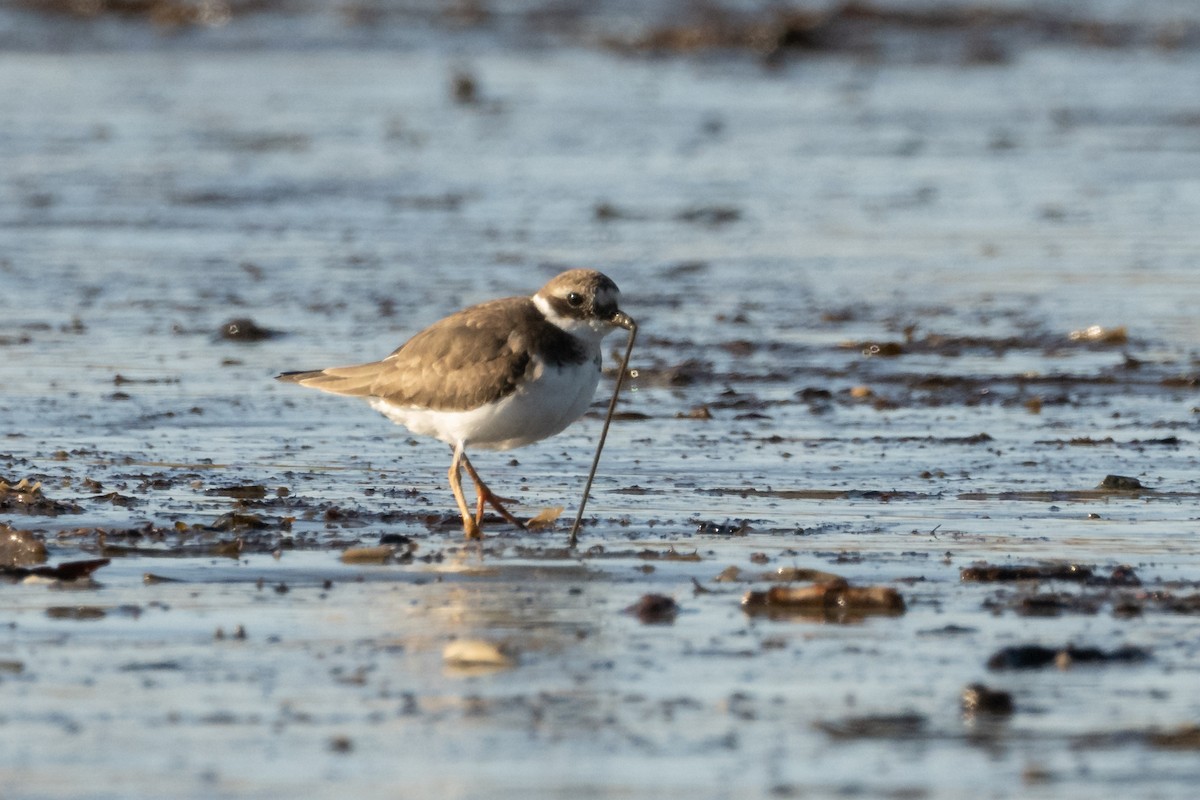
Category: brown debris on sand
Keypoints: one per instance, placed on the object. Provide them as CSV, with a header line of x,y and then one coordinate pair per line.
x,y
833,601
26,497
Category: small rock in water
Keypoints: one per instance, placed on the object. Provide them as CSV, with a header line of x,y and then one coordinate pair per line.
x,y
475,653
654,609
464,87
20,548
1123,575
368,555
1101,335
244,329
1120,483
979,699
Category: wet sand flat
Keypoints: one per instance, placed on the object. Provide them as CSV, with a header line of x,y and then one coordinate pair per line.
x,y
909,438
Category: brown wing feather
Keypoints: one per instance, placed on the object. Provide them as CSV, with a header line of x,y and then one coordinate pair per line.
x,y
463,361
475,356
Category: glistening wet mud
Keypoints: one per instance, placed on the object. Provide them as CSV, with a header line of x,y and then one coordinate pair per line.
x,y
900,500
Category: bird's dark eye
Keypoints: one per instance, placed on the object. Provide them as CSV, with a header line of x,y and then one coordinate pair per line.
x,y
575,299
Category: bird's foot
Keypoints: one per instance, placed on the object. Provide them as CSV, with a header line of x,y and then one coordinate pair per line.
x,y
485,497
471,528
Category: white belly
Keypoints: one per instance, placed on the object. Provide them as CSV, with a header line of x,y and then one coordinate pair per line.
x,y
539,408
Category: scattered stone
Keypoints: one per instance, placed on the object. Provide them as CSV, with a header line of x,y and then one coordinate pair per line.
x,y
1101,335
1123,575
654,609
368,555
979,699
245,330
464,88
475,653
20,548
882,349
1120,483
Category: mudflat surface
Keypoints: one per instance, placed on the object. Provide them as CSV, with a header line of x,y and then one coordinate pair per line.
x,y
917,295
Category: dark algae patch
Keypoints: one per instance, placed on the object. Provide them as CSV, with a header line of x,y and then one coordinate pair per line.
x,y
67,571
990,573
1019,657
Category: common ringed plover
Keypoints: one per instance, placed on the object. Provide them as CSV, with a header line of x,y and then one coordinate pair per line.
x,y
494,376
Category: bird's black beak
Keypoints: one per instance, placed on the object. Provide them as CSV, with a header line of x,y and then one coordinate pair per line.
x,y
623,320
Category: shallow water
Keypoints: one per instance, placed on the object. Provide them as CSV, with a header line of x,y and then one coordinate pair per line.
x,y
777,231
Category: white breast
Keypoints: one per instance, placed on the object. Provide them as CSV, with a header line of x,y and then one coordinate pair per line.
x,y
542,406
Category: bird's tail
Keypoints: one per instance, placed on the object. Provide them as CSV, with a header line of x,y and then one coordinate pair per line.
x,y
353,381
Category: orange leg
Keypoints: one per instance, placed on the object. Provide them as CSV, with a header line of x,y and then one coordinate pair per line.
x,y
484,496
470,525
